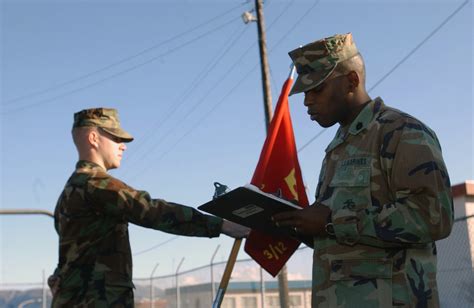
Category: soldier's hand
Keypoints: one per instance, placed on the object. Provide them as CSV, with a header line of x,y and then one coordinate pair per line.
x,y
53,283
308,221
234,230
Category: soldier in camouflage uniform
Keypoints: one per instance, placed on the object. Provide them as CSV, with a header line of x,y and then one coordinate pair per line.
x,y
383,196
92,216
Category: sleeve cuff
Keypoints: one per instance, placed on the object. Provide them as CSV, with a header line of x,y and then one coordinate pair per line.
x,y
346,226
214,226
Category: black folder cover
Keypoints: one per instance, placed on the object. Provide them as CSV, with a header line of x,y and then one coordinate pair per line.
x,y
249,206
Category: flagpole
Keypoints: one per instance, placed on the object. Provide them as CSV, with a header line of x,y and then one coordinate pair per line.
x,y
292,71
283,279
227,272
267,97
283,275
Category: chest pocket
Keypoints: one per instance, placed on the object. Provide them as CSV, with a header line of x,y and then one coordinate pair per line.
x,y
351,184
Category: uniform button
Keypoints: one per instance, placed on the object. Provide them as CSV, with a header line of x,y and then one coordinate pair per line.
x,y
359,125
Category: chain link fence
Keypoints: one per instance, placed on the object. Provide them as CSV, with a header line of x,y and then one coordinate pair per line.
x,y
250,287
197,287
455,265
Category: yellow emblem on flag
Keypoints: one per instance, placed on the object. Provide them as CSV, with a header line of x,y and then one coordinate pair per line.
x,y
290,180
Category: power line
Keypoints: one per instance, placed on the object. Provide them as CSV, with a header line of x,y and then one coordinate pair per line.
x,y
220,27
430,35
173,109
156,246
215,106
199,78
201,120
186,93
420,44
123,60
295,24
291,29
285,9
311,140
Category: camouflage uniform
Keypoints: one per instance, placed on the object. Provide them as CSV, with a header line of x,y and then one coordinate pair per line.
x,y
387,186
91,219
384,179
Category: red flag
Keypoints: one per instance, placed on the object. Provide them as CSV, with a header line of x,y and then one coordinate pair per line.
x,y
277,170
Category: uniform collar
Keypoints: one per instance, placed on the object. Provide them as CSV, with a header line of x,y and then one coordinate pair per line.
x,y
85,164
360,123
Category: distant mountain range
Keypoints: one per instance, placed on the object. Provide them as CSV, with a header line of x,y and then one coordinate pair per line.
x,y
32,298
27,298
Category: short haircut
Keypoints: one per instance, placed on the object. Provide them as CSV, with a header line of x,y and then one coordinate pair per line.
x,y
80,132
356,63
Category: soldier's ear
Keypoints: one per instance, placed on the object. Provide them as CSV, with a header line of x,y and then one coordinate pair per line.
x,y
354,80
93,138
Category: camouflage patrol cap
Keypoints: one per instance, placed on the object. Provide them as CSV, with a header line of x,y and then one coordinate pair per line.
x,y
105,118
315,61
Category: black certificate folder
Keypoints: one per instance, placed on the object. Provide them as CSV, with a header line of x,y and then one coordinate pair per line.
x,y
249,206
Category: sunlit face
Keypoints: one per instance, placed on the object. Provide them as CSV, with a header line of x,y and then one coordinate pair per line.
x,y
110,149
327,102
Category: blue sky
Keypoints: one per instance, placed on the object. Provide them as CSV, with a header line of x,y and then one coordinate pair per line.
x,y
184,76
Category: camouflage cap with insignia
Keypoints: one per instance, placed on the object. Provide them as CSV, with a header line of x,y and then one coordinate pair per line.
x,y
315,61
105,118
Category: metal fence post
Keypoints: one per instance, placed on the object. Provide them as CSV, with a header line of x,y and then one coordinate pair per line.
x,y
178,303
213,288
44,291
262,287
152,292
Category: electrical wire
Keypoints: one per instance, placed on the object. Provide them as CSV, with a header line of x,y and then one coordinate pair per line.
x,y
285,9
132,68
181,99
156,246
186,93
123,60
199,122
431,34
399,63
216,105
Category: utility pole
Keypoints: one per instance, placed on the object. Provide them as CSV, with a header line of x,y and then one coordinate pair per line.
x,y
262,44
283,287
267,97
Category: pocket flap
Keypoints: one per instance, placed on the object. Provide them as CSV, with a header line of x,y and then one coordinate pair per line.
x,y
360,269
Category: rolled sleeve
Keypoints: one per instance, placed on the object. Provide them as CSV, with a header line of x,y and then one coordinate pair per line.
x,y
346,226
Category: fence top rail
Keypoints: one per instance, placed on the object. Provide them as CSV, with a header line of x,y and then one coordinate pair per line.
x,y
25,212
201,267
463,218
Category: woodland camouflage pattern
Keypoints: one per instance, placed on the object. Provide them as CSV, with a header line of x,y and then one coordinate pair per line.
x,y
315,61
387,186
91,219
105,118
